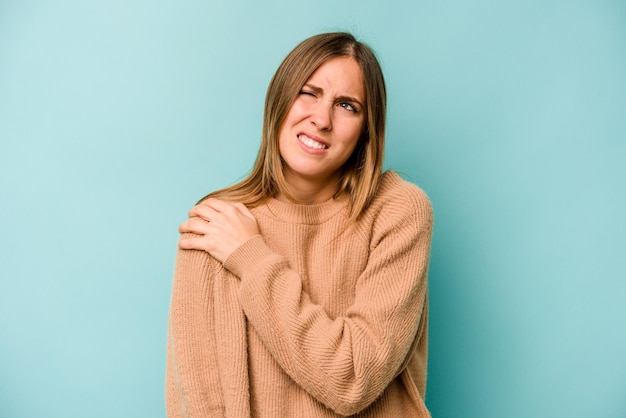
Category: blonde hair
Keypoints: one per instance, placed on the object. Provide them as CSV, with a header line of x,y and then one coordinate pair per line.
x,y
362,172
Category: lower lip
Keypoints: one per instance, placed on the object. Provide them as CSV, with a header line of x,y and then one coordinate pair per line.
x,y
311,150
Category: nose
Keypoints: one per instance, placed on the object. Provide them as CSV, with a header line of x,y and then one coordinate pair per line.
x,y
321,115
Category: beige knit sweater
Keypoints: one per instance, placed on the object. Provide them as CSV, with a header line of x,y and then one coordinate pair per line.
x,y
304,321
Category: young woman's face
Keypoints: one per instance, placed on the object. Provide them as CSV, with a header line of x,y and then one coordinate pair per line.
x,y
323,125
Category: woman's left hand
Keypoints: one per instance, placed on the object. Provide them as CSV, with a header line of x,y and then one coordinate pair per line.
x,y
221,226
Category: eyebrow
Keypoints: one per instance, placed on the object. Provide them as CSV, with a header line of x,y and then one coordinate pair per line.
x,y
317,89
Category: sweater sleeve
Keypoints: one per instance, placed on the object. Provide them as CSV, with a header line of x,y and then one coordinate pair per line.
x,y
344,362
191,385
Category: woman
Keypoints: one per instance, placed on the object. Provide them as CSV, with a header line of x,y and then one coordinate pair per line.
x,y
301,291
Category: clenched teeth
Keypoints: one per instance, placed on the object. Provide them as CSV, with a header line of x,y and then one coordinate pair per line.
x,y
311,143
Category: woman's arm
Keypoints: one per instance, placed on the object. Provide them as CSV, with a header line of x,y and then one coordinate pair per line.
x,y
348,361
191,381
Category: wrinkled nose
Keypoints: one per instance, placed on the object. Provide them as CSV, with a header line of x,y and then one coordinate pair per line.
x,y
321,116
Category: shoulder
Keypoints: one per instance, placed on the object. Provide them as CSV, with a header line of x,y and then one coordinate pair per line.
x,y
398,196
399,207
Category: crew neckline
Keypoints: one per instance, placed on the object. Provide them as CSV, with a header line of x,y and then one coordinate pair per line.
x,y
307,214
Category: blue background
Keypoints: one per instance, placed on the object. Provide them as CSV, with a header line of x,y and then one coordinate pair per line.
x,y
117,115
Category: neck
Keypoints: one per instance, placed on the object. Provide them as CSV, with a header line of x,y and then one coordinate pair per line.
x,y
310,192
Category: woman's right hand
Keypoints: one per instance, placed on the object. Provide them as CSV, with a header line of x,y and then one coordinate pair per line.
x,y
220,228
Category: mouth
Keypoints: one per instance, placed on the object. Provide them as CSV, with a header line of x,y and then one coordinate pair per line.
x,y
312,143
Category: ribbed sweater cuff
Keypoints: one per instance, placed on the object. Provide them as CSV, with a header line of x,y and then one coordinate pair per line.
x,y
247,256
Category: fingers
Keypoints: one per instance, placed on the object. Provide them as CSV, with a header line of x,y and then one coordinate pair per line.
x,y
211,208
220,228
194,225
244,210
191,243
202,210
213,211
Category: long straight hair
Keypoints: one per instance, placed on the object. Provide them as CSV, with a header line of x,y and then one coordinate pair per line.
x,y
360,176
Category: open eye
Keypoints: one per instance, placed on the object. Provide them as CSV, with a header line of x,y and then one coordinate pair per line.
x,y
348,106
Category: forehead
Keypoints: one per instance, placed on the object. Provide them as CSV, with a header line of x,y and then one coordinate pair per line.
x,y
340,76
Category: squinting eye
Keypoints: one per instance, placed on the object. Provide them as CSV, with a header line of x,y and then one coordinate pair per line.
x,y
306,93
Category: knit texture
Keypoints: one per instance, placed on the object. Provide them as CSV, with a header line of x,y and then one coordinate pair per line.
x,y
307,319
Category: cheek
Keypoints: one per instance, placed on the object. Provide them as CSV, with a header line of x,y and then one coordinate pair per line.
x,y
295,112
349,148
353,147
281,141
352,134
354,137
